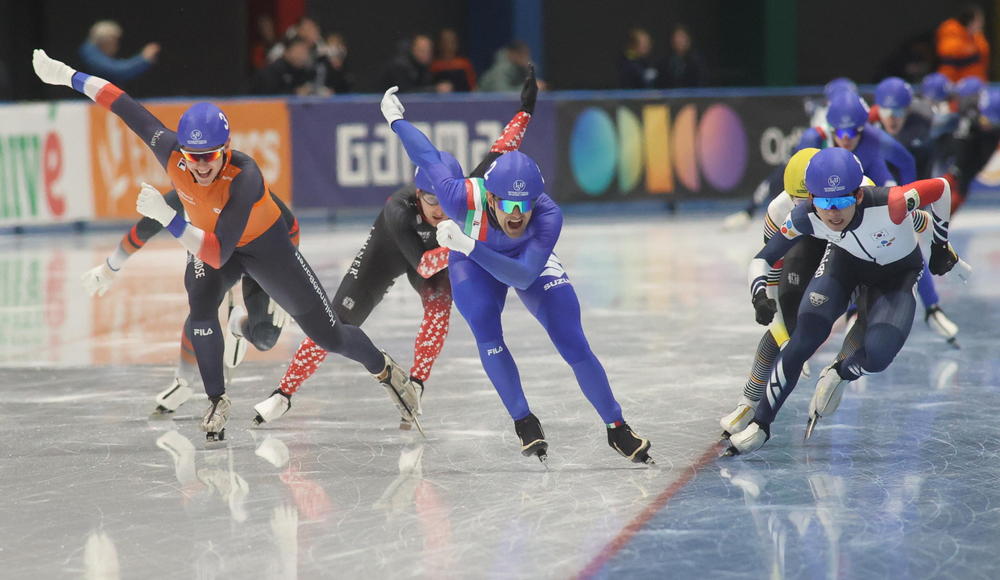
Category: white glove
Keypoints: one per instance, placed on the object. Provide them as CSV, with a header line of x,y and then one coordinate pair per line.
x,y
278,315
392,109
450,236
151,204
51,71
97,280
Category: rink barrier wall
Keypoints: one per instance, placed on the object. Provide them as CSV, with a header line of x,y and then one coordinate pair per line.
x,y
72,162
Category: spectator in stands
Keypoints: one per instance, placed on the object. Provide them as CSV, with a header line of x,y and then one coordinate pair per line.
x,y
332,71
451,66
306,29
636,69
961,46
99,54
410,70
684,67
263,42
509,69
289,75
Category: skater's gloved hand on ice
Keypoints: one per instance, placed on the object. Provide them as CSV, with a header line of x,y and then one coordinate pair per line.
x,y
764,308
51,71
943,259
151,204
450,236
392,109
97,280
529,92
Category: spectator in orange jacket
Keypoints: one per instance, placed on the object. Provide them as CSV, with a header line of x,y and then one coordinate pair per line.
x,y
961,46
451,66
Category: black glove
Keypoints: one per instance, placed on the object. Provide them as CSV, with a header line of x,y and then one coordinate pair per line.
x,y
764,307
529,92
943,259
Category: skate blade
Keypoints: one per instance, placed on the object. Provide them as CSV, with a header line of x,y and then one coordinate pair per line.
x,y
954,343
413,416
544,459
161,412
730,451
810,425
725,436
258,420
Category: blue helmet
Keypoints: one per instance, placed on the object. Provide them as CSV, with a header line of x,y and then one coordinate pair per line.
x,y
833,172
839,84
422,181
514,176
935,87
893,93
203,126
969,87
847,113
989,105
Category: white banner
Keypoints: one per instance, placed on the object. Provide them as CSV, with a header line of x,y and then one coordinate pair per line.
x,y
44,164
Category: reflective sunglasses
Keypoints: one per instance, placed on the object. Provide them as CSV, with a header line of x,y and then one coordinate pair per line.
x,y
203,156
898,113
429,198
848,133
508,206
834,202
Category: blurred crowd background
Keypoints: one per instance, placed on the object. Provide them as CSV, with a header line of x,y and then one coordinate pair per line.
x,y
324,48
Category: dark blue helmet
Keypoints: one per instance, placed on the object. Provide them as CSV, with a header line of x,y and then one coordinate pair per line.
x,y
893,93
989,105
203,126
839,84
833,172
847,113
935,87
969,87
515,176
422,181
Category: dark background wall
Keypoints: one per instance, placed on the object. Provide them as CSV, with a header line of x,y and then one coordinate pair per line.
x,y
754,42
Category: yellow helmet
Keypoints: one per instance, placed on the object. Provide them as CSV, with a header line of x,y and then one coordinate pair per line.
x,y
795,172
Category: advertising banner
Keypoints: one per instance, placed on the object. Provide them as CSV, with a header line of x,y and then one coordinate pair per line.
x,y
347,156
44,167
694,148
121,161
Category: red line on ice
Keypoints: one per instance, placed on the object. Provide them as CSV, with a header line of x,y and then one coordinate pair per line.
x,y
639,521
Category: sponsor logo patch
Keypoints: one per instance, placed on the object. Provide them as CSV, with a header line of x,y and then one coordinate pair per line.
x,y
495,350
203,332
817,299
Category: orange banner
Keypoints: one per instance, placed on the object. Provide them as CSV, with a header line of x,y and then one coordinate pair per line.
x,y
121,161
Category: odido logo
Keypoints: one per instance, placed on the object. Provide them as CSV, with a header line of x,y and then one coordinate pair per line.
x,y
661,149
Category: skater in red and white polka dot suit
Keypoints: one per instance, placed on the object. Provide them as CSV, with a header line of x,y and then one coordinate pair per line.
x,y
402,241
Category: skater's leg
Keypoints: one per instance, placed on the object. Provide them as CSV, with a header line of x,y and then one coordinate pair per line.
x,y
264,320
435,296
206,288
890,309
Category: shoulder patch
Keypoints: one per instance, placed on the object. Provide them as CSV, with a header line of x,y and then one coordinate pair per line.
x,y
788,229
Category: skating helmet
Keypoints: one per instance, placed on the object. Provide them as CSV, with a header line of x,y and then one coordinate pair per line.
x,y
935,87
422,181
795,172
969,87
833,172
989,105
203,126
515,177
893,93
839,84
847,114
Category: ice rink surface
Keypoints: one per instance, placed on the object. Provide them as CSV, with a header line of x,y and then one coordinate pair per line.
x,y
903,482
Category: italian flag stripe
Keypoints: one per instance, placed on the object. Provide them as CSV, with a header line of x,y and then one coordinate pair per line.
x,y
475,217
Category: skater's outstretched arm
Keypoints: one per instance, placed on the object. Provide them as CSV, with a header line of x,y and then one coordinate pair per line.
x,y
158,138
792,229
935,194
513,133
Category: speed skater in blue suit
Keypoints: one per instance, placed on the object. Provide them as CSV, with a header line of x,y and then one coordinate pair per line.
x,y
501,233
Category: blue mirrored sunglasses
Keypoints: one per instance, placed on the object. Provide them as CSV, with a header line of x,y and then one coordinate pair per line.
x,y
849,133
834,202
508,206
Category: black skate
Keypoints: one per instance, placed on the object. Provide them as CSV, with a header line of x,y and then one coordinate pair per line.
x,y
529,430
624,440
404,423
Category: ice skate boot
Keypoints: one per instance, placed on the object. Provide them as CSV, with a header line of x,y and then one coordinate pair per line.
x,y
738,419
826,397
235,345
216,417
401,391
404,423
748,440
271,408
533,442
941,324
171,398
623,439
